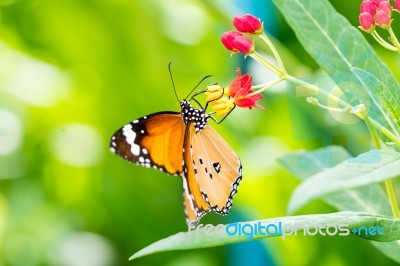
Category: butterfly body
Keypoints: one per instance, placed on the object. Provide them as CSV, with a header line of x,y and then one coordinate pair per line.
x,y
184,144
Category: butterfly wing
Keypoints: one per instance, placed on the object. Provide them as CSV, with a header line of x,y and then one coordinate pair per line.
x,y
218,169
154,141
194,203
212,173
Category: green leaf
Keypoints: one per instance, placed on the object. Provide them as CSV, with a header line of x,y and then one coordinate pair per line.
x,y
367,168
216,236
338,47
304,164
369,198
377,87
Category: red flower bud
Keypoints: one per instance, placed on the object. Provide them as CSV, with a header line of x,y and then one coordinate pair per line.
x,y
367,21
248,24
397,4
385,6
244,45
368,6
382,19
236,42
228,39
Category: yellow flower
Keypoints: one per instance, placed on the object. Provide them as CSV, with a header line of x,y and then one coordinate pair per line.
x,y
223,105
214,92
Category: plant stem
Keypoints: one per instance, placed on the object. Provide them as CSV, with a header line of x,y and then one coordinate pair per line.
x,y
392,198
382,42
265,86
372,131
274,51
394,39
256,56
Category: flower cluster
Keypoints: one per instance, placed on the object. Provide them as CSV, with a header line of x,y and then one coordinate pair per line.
x,y
239,93
379,13
375,12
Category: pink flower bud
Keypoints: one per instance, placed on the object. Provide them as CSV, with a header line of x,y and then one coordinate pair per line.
x,y
228,38
248,24
397,4
368,6
385,6
382,19
366,21
236,42
244,45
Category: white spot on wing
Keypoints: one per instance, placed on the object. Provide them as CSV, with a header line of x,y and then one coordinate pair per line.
x,y
127,127
130,139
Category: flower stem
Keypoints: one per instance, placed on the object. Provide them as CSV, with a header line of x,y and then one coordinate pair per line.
x,y
395,41
392,198
274,51
256,56
388,182
265,86
382,42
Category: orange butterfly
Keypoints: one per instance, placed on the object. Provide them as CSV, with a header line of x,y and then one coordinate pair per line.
x,y
184,144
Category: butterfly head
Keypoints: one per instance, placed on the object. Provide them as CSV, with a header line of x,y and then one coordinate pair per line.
x,y
193,115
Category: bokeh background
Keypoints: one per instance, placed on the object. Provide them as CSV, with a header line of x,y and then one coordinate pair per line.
x,y
73,72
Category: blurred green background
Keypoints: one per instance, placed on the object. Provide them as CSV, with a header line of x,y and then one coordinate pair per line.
x,y
72,72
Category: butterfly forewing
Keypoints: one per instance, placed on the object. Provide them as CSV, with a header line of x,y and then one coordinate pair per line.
x,y
154,141
218,169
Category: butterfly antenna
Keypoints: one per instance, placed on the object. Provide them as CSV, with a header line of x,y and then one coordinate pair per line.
x,y
198,84
172,80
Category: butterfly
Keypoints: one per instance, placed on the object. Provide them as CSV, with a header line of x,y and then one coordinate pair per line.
x,y
184,144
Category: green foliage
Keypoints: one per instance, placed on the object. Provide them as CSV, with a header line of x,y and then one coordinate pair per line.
x,y
202,237
369,198
339,48
72,72
368,168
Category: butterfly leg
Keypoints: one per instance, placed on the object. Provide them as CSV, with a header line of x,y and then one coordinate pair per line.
x,y
220,121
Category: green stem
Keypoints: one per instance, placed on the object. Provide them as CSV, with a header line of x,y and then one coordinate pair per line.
x,y
372,131
388,182
274,51
392,198
382,42
266,86
256,56
394,39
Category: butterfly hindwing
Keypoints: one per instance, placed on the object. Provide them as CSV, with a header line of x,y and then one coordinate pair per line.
x,y
154,141
194,203
212,173
218,169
